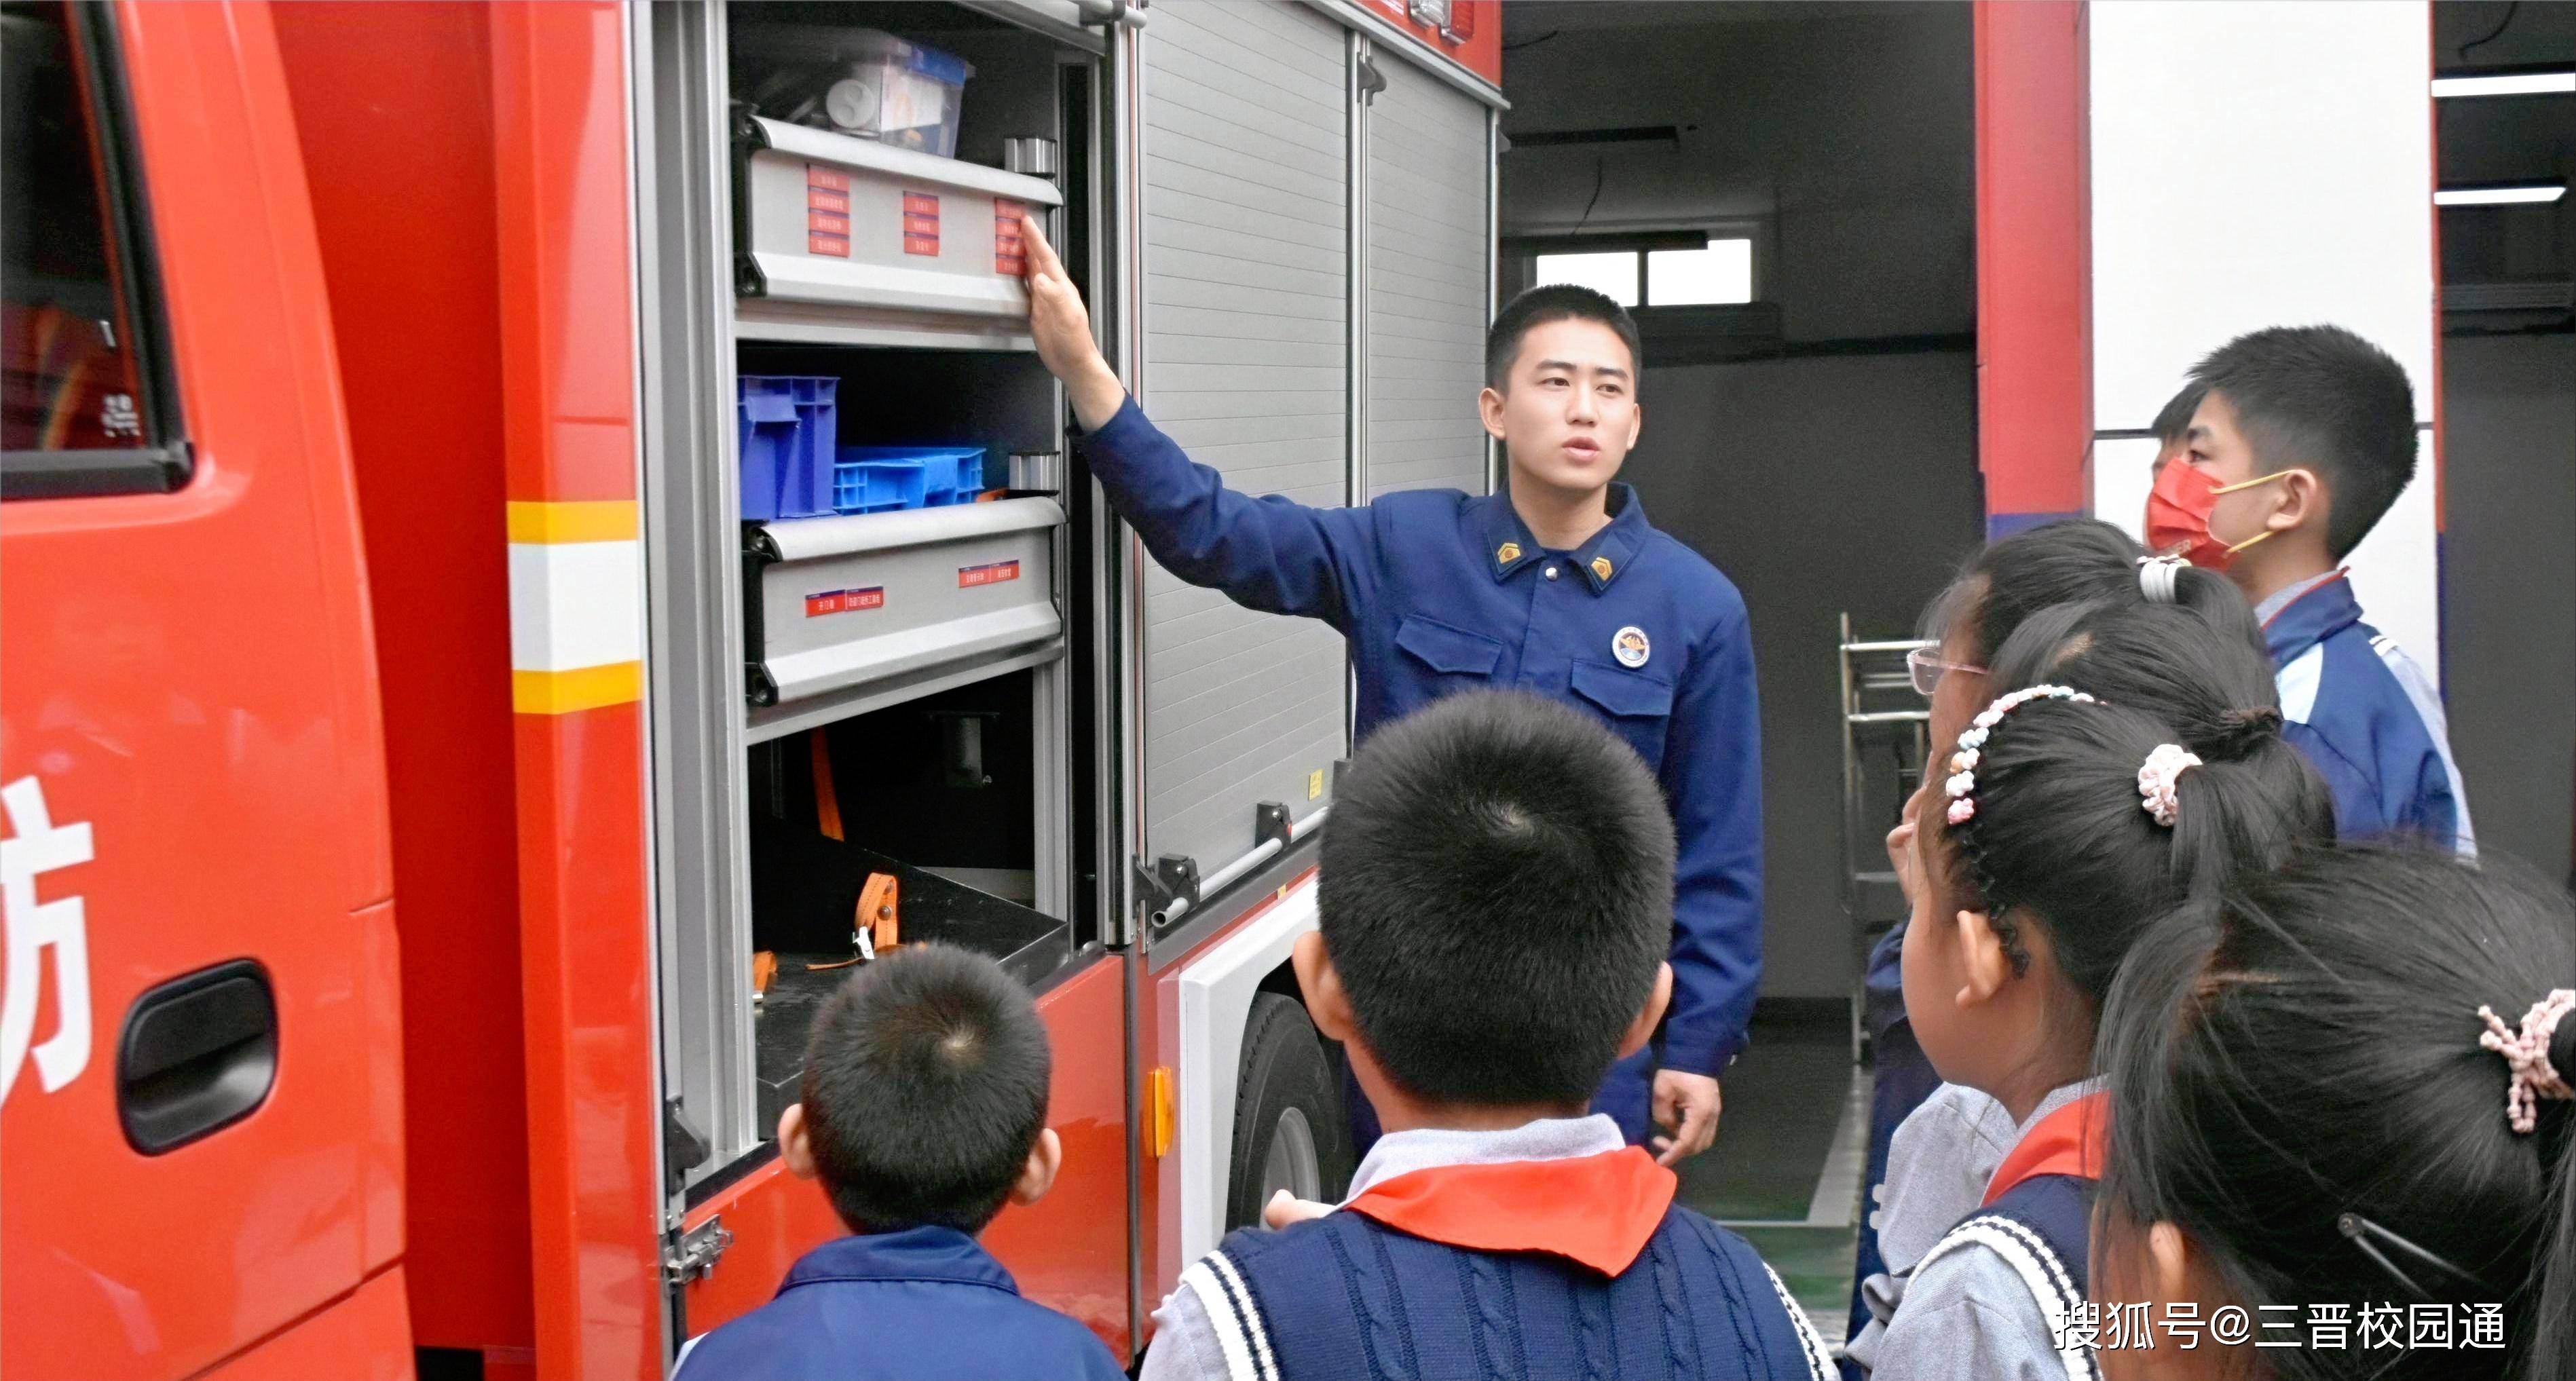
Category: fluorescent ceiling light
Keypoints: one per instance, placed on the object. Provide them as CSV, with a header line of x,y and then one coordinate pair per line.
x,y
2517,84
2500,196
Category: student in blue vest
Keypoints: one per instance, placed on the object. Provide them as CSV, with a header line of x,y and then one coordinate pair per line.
x,y
2302,438
1558,587
1496,903
923,1113
2065,827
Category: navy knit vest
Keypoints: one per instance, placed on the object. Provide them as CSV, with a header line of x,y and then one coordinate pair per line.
x,y
2042,1228
1345,1297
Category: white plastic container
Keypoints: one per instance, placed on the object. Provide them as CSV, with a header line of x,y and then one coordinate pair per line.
x,y
898,92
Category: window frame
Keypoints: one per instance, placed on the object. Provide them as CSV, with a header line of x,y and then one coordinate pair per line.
x,y
164,463
1526,249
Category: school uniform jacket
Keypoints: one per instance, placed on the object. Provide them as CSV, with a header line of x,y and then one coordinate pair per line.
x,y
1438,592
2365,715
922,1304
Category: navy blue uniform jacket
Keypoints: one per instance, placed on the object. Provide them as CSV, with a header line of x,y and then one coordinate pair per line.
x,y
1437,591
922,1304
2368,719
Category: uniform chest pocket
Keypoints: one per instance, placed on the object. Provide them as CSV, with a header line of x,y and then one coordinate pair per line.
x,y
1450,651
1638,707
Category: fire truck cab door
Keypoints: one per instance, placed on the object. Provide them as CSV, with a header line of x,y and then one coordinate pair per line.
x,y
200,1086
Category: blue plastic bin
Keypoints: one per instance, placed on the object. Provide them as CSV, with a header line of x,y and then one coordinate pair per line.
x,y
789,428
883,479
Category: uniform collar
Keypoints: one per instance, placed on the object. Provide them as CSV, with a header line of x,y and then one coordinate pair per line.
x,y
2068,1139
1569,1187
1508,545
2311,614
923,1253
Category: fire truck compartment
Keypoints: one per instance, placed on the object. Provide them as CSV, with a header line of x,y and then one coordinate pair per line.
x,y
940,793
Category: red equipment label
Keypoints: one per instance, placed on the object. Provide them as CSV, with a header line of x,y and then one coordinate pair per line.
x,y
921,224
1010,253
844,601
827,211
993,574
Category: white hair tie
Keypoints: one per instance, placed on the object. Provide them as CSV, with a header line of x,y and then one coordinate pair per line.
x,y
2159,576
2156,780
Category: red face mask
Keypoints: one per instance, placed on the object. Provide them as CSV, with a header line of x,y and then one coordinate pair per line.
x,y
2178,511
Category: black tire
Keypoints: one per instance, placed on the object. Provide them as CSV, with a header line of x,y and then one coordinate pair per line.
x,y
1285,1089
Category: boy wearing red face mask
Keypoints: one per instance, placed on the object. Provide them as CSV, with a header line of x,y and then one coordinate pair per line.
x,y
2301,439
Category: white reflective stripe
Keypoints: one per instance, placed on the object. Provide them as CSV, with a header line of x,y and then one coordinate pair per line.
x,y
1267,1365
575,604
1233,1335
2298,684
2041,1273
2428,707
1819,1361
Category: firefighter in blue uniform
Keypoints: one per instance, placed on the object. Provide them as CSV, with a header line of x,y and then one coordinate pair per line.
x,y
1560,588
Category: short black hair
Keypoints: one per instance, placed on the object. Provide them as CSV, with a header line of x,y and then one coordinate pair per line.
x,y
2305,1048
1554,302
2173,421
925,1087
2323,398
1497,892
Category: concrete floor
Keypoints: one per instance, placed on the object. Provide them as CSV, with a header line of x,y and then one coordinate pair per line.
x,y
1786,1169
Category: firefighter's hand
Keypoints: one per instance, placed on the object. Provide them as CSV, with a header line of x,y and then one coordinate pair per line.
x,y
1062,330
1685,1105
1285,1208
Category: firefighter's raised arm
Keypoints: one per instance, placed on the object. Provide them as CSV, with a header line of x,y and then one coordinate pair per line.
x,y
1270,554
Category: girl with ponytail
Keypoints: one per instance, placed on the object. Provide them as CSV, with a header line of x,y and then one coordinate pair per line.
x,y
2346,1085
2062,826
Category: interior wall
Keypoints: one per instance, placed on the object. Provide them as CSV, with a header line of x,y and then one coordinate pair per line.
x,y
1821,485
1842,132
2509,587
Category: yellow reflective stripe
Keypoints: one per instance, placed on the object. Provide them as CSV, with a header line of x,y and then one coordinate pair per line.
x,y
582,688
591,520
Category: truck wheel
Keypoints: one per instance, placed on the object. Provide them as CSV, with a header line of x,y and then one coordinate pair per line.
x,y
1289,1131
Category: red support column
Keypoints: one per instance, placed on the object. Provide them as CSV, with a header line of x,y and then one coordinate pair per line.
x,y
2034,262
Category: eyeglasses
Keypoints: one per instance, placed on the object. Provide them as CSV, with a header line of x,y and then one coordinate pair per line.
x,y
1924,664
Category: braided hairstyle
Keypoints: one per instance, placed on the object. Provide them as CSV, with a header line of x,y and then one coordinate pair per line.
x,y
2055,831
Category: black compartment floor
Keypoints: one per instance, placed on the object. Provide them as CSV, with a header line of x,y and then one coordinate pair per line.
x,y
787,1013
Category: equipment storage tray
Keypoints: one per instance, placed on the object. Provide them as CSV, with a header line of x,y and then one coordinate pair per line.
x,y
848,614
828,226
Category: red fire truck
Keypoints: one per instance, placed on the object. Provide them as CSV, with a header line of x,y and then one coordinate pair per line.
x,y
441,761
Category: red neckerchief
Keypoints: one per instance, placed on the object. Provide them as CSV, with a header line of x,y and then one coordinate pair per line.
x,y
2341,573
1598,1210
2068,1141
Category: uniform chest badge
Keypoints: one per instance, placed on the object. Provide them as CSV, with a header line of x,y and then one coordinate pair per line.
x,y
1629,645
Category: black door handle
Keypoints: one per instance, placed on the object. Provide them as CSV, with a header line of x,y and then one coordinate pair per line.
x,y
198,1054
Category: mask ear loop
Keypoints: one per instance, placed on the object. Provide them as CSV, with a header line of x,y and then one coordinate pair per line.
x,y
2248,484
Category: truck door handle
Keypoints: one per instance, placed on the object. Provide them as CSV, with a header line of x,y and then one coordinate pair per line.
x,y
198,1053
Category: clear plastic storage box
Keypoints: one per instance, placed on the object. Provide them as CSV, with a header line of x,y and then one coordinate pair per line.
x,y
898,92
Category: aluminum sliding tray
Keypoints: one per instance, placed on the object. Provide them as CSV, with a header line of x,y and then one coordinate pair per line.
x,y
915,243
847,615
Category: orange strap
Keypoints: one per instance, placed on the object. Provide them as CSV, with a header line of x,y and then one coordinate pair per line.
x,y
1599,1210
2069,1141
827,804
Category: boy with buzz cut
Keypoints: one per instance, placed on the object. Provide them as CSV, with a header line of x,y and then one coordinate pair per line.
x,y
923,1113
2300,440
1496,891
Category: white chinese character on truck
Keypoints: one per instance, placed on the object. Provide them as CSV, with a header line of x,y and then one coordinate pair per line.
x,y
37,846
